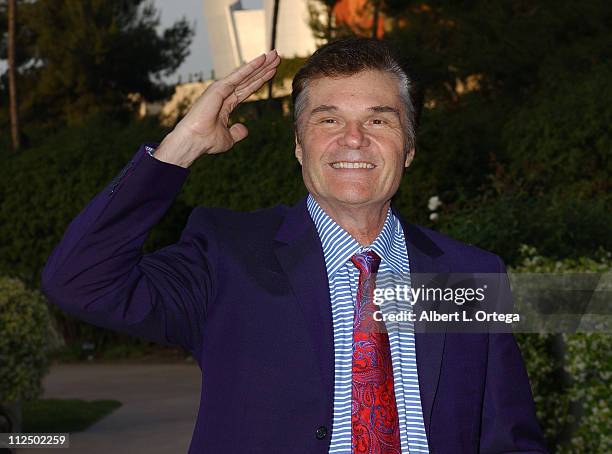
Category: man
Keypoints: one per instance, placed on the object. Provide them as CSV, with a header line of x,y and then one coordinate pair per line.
x,y
276,305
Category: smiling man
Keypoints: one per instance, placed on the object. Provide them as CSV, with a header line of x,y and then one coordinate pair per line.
x,y
354,136
276,305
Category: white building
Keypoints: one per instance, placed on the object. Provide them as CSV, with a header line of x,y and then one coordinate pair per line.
x,y
237,35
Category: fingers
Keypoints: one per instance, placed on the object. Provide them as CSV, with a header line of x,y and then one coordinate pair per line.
x,y
228,84
238,131
259,73
254,85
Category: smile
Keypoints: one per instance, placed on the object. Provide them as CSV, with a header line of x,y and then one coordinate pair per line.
x,y
352,165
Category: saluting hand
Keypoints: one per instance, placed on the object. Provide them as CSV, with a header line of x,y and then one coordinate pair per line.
x,y
205,128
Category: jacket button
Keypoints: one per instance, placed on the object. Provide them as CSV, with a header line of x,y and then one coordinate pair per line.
x,y
321,432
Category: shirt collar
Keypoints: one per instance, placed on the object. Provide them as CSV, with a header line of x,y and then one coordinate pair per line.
x,y
339,246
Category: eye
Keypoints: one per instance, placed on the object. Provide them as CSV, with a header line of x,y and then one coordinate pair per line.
x,y
328,120
378,121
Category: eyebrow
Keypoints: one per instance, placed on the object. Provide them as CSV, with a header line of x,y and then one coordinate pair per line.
x,y
377,109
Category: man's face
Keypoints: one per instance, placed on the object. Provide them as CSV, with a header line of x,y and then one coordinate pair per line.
x,y
352,150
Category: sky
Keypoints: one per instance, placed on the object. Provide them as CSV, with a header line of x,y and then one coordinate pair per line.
x,y
199,58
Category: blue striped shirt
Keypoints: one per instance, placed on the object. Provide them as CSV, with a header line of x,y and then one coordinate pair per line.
x,y
343,276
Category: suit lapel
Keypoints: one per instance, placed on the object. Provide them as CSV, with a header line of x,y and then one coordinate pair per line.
x,y
300,254
423,257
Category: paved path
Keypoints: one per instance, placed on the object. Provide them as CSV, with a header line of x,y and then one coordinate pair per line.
x,y
158,411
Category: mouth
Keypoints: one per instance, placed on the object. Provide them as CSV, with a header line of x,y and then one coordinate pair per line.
x,y
352,165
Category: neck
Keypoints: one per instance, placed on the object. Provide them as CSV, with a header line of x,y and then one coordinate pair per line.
x,y
362,222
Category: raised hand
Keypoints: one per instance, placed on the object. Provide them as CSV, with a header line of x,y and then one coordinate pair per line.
x,y
205,128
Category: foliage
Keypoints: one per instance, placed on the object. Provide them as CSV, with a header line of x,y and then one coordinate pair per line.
x,y
570,373
109,49
513,47
320,18
24,324
287,69
260,171
55,180
516,121
560,140
561,227
548,183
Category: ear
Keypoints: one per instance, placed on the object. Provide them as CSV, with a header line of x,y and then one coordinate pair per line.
x,y
298,149
409,157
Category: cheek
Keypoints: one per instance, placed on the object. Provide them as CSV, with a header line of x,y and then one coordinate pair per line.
x,y
314,149
392,152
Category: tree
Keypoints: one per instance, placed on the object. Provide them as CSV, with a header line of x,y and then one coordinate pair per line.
x,y
89,56
323,30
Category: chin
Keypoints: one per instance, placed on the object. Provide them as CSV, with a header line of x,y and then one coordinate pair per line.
x,y
353,197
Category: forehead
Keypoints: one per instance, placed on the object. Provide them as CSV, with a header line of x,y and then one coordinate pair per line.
x,y
372,87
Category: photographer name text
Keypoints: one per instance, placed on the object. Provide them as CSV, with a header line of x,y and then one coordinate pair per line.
x,y
435,316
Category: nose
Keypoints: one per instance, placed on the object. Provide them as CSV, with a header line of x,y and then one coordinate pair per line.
x,y
353,136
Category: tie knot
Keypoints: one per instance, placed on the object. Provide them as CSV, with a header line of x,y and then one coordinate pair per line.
x,y
367,262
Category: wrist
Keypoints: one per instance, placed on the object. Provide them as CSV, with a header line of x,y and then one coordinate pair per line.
x,y
179,149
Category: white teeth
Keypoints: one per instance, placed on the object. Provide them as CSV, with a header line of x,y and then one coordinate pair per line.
x,y
352,165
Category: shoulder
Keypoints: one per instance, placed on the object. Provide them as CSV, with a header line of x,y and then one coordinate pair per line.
x,y
460,256
238,225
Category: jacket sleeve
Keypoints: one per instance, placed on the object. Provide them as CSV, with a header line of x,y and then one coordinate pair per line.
x,y
509,423
99,274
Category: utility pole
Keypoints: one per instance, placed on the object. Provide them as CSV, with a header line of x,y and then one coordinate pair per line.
x,y
273,41
12,73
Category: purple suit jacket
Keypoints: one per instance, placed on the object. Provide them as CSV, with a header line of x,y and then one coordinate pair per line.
x,y
247,295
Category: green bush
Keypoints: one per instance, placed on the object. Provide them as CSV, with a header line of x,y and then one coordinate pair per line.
x,y
43,188
570,373
561,227
259,172
559,141
24,339
509,172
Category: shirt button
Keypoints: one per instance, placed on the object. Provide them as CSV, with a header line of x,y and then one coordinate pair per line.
x,y
321,432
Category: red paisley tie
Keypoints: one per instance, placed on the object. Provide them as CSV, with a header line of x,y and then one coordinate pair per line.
x,y
375,427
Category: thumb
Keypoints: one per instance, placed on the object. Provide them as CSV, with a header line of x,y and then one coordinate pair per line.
x,y
238,131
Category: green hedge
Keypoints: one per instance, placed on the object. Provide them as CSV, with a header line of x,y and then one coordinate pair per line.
x,y
561,226
24,340
259,172
570,373
43,188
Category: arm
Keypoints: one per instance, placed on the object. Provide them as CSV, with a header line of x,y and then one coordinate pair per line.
x,y
509,423
98,272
